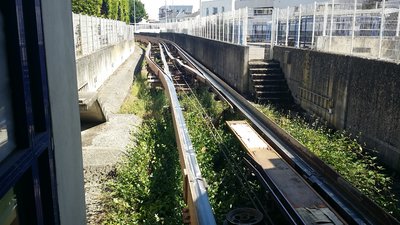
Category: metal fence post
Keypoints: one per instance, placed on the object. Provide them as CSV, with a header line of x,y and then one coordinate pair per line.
x,y
228,35
80,33
271,53
299,28
353,27
313,25
87,35
91,28
206,27
277,25
398,22
325,19
245,25
287,26
331,30
223,27
233,26
216,27
382,28
239,40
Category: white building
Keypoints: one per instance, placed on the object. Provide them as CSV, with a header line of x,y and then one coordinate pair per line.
x,y
220,6
171,13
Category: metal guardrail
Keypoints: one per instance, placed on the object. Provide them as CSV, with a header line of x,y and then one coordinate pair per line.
x,y
195,192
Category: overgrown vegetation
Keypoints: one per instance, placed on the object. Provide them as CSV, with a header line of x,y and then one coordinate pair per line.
x,y
343,153
146,187
122,10
219,154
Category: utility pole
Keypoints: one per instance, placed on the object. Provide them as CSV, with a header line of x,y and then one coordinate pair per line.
x,y
166,11
200,8
134,14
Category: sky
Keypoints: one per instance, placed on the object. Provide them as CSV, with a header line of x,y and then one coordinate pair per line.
x,y
152,6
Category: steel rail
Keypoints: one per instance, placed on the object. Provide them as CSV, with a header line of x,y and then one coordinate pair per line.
x,y
194,185
198,75
355,207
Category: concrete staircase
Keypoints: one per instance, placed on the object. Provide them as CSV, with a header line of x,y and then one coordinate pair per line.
x,y
269,82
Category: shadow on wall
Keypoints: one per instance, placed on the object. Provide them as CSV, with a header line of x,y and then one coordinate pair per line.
x,y
357,94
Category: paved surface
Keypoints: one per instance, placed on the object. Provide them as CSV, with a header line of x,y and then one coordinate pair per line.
x,y
103,145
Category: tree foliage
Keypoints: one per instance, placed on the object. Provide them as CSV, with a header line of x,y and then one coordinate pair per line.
x,y
140,11
112,9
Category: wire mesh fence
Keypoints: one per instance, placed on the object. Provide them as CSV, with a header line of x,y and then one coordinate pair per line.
x,y
352,27
356,27
93,33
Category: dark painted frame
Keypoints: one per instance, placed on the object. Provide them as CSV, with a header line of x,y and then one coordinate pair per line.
x,y
30,168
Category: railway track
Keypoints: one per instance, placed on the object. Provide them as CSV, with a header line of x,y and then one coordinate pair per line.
x,y
310,192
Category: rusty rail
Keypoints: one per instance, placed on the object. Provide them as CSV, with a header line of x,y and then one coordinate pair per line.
x,y
195,193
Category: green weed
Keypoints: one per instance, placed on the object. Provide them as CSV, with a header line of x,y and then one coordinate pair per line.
x,y
147,186
343,153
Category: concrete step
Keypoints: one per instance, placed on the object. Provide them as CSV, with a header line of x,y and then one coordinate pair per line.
x,y
265,70
265,88
263,64
276,82
260,78
273,94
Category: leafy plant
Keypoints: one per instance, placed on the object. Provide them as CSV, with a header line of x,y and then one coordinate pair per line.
x,y
147,186
219,154
343,153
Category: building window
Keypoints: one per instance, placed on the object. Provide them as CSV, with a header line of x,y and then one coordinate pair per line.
x,y
222,9
6,114
207,12
215,10
262,11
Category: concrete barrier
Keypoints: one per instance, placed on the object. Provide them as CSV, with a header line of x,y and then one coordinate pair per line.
x,y
357,94
94,69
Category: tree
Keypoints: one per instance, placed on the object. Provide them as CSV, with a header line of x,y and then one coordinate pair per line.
x,y
88,7
111,9
140,11
105,7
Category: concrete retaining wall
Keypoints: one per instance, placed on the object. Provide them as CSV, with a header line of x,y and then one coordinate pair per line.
x,y
94,69
352,93
229,61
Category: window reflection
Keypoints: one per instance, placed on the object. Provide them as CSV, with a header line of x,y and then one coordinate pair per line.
x,y
6,125
8,209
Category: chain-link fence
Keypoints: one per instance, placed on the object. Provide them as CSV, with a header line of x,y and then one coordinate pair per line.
x,y
353,27
93,33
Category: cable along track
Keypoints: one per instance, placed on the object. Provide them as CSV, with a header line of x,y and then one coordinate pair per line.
x,y
339,198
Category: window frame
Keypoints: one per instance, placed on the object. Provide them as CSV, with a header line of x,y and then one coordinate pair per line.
x,y
30,168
